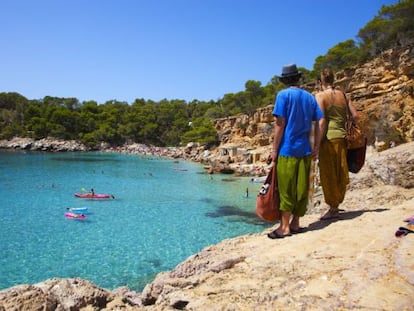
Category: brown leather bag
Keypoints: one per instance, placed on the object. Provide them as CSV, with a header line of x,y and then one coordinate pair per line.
x,y
267,201
355,137
356,142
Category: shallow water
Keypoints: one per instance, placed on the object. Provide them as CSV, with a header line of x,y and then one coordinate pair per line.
x,y
163,212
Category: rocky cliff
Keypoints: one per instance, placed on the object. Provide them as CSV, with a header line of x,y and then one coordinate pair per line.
x,y
382,91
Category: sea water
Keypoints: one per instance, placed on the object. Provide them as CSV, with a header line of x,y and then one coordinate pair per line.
x,y
163,212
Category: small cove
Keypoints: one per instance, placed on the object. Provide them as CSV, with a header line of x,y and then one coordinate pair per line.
x,y
163,212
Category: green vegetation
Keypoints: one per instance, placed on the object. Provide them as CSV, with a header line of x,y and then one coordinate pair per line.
x,y
393,27
175,122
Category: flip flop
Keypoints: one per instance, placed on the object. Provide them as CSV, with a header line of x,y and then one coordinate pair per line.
x,y
275,235
402,231
409,219
300,230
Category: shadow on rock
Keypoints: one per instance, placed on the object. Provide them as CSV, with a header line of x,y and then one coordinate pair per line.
x,y
320,224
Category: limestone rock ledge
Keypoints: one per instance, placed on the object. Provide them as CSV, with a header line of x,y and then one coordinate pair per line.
x,y
354,262
382,91
45,144
55,294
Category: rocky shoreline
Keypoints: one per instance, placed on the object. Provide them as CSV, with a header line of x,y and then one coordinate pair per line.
x,y
354,262
45,144
213,161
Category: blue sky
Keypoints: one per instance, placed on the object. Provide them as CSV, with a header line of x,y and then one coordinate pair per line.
x,y
175,49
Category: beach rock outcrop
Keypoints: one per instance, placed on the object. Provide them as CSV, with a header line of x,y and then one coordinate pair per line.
x,y
383,92
55,294
394,166
353,263
45,144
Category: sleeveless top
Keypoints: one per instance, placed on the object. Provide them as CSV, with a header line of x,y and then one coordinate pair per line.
x,y
336,117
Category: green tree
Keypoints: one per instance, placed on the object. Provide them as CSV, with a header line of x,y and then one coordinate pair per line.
x,y
341,56
12,108
254,94
64,123
393,26
38,128
198,109
12,100
91,140
142,122
202,131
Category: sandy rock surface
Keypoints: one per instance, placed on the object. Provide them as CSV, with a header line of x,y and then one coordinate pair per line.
x,y
354,262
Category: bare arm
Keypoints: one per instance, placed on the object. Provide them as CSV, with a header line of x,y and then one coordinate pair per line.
x,y
279,131
320,127
353,109
320,100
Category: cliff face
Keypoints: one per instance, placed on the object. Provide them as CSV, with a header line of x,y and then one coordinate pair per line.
x,y
382,90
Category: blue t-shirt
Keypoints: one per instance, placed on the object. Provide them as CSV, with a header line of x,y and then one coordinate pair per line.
x,y
299,108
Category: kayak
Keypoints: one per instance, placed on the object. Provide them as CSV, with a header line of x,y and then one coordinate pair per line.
x,y
259,179
94,196
78,210
74,216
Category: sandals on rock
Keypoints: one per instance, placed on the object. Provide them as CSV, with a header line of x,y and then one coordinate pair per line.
x,y
299,230
330,214
276,235
402,231
409,219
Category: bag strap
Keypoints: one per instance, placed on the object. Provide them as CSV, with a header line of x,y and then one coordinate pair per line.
x,y
349,114
271,176
274,174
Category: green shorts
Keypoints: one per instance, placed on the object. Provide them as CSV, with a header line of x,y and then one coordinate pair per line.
x,y
293,183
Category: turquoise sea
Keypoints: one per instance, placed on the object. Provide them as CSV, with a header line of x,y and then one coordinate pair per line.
x,y
163,212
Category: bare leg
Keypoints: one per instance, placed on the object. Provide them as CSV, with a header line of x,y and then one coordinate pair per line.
x,y
294,224
284,227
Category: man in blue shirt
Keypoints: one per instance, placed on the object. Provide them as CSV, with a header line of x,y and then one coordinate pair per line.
x,y
295,110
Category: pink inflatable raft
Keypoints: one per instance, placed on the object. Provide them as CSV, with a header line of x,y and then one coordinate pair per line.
x,y
74,215
94,196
